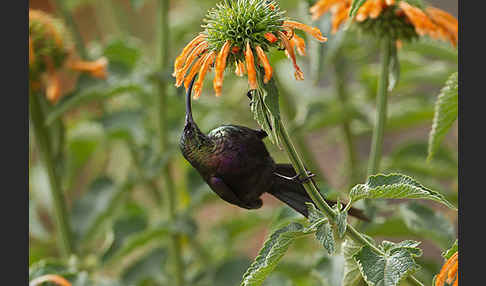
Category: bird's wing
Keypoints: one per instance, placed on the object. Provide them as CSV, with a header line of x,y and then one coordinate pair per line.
x,y
223,191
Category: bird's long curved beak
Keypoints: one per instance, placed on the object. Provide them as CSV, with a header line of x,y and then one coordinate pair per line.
x,y
189,118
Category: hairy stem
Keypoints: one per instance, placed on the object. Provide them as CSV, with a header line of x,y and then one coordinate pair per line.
x,y
171,198
381,105
309,185
68,19
41,134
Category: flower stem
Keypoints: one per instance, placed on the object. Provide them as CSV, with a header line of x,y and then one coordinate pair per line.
x,y
312,189
381,105
171,199
342,94
41,134
68,19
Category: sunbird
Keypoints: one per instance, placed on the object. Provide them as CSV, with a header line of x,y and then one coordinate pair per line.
x,y
235,163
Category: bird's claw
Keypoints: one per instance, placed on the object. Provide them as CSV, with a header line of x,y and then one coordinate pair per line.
x,y
298,178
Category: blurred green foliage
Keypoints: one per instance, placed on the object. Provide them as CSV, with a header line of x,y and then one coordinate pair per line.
x,y
107,154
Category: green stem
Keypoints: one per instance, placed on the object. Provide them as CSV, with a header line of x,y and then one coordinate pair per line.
x,y
41,134
171,200
68,19
311,188
381,105
340,72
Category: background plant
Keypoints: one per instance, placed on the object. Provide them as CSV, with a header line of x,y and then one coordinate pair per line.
x,y
110,161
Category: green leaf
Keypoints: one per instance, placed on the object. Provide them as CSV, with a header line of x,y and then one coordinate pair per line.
x,y
325,236
273,250
355,7
446,109
394,186
448,253
392,267
352,275
341,222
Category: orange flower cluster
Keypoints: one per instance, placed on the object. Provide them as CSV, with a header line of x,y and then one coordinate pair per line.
x,y
448,272
432,21
48,40
197,57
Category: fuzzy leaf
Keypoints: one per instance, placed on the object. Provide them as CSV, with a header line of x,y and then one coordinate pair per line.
x,y
352,276
394,186
355,7
325,236
341,223
448,253
446,110
392,267
271,253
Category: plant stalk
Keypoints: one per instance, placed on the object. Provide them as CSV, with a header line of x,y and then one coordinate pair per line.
x,y
340,72
171,199
381,106
41,134
68,19
312,189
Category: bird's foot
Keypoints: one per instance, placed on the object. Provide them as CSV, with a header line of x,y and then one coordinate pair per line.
x,y
298,178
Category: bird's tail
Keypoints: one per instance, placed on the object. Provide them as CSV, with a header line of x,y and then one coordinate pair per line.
x,y
294,194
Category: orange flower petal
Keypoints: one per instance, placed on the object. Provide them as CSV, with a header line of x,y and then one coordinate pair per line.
x,y
190,58
339,16
441,277
264,61
419,19
53,90
299,43
270,37
194,70
180,60
448,24
250,67
95,68
59,280
299,75
220,66
240,68
321,7
390,2
208,60
315,32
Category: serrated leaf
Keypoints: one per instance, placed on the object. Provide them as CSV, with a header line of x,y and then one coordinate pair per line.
x,y
341,220
394,186
388,269
448,253
325,236
355,7
315,215
394,68
446,110
272,251
352,275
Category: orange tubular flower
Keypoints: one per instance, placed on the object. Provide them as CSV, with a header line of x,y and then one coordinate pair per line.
x,y
264,61
448,273
250,67
59,280
202,73
220,66
415,21
223,44
96,68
